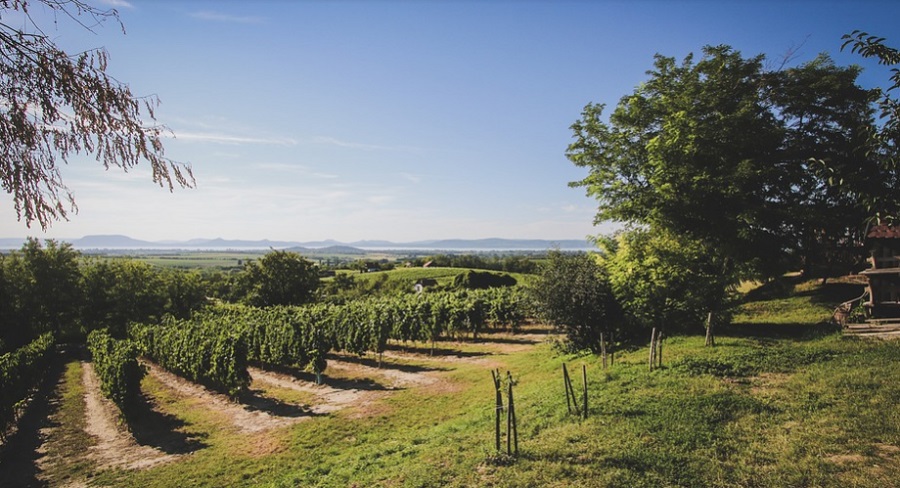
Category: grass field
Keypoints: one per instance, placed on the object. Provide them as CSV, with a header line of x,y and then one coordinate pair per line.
x,y
782,401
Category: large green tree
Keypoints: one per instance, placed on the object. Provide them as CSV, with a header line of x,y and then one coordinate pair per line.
x,y
40,292
279,278
883,201
55,105
729,154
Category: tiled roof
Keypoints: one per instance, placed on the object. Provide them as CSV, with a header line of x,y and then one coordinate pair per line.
x,y
883,232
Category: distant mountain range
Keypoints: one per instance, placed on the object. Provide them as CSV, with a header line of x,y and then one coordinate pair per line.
x,y
125,242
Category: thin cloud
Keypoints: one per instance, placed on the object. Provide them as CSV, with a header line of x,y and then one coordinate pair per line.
x,y
333,141
298,169
411,177
211,16
117,3
232,139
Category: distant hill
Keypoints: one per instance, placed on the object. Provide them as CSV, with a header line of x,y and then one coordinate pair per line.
x,y
327,246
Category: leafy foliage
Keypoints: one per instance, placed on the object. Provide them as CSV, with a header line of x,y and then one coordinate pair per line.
x,y
40,292
279,278
666,281
198,350
57,105
20,372
883,205
117,367
574,293
475,280
766,168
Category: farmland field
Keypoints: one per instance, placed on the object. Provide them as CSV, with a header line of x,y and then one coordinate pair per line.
x,y
807,408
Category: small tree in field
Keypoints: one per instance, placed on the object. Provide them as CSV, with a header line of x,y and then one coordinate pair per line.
x,y
573,293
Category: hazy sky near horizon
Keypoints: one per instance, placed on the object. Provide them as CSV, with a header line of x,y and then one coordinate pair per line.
x,y
400,120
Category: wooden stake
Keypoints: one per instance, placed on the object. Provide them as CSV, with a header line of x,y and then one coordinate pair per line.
x,y
710,338
603,349
511,415
498,407
566,386
584,386
659,350
612,349
650,361
509,418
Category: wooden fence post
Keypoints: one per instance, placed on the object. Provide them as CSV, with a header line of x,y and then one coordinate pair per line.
x,y
498,407
513,430
659,349
652,358
603,349
584,386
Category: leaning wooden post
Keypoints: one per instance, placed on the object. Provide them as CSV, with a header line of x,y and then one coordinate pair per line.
x,y
566,386
652,348
603,349
584,386
710,339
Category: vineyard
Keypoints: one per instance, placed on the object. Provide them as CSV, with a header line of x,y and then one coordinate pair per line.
x,y
214,347
406,399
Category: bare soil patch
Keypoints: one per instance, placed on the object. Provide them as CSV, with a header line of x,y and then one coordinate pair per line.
x,y
115,447
329,398
251,417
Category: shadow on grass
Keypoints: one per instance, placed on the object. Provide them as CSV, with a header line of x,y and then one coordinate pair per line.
x,y
437,351
162,431
763,331
365,384
509,339
831,292
254,400
385,364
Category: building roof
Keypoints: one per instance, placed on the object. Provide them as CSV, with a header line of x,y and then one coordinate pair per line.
x,y
883,232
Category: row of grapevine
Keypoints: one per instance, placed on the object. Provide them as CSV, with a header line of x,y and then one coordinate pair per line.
x,y
303,336
20,373
199,350
116,364
279,336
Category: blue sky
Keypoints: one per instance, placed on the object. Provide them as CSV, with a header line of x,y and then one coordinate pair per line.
x,y
402,120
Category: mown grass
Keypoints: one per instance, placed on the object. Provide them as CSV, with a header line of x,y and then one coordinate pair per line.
x,y
762,409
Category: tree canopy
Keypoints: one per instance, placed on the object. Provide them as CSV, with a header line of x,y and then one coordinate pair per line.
x,y
764,167
55,105
280,278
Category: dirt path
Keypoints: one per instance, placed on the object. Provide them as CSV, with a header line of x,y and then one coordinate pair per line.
x,y
249,418
328,398
116,447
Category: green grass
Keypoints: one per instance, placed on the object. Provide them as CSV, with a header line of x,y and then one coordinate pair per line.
x,y
805,407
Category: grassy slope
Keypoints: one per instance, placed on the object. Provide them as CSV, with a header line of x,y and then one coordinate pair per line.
x,y
810,410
